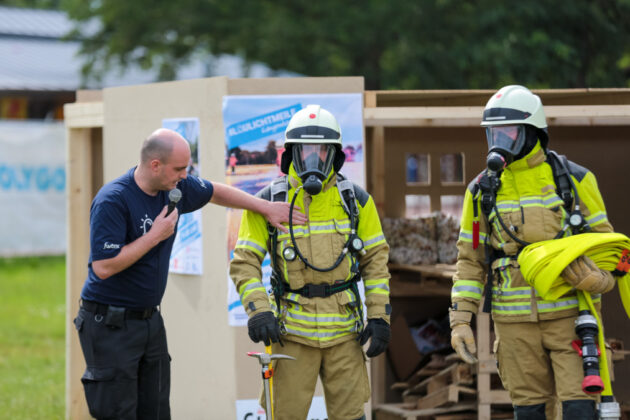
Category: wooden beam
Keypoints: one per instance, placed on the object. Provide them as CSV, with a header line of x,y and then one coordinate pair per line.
x,y
423,116
89,95
378,169
470,116
458,373
500,396
375,182
84,115
444,271
79,197
446,396
412,414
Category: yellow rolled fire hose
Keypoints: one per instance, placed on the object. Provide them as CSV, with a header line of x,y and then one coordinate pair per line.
x,y
542,263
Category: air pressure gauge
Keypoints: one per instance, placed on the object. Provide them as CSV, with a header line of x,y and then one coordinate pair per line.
x,y
575,219
289,253
356,244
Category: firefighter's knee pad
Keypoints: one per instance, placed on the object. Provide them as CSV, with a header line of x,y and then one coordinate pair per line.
x,y
530,412
579,410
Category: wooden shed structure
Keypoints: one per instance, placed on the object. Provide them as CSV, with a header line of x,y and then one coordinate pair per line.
x,y
105,129
589,126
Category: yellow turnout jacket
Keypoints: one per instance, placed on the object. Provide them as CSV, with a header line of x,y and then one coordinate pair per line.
x,y
531,209
318,321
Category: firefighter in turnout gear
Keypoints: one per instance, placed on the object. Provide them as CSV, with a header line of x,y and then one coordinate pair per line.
x,y
526,195
314,312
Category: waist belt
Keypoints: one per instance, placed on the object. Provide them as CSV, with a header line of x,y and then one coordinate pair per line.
x,y
101,309
323,290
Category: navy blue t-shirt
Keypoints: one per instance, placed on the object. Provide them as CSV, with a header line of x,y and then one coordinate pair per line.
x,y
121,213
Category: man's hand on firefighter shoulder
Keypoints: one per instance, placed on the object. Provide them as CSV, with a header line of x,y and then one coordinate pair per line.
x,y
278,213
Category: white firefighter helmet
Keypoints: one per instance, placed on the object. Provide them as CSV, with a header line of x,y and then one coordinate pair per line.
x,y
313,124
506,116
313,143
514,104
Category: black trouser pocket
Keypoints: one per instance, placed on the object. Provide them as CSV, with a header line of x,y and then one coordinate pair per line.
x,y
115,317
101,392
78,323
530,412
579,410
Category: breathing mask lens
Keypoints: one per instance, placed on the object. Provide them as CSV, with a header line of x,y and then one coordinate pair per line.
x,y
504,142
506,138
313,163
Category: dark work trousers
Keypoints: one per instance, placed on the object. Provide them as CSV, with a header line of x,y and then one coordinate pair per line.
x,y
128,373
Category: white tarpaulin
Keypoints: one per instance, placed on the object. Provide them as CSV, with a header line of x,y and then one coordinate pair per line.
x,y
32,188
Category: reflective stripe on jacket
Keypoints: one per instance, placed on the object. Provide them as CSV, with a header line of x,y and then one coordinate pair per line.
x,y
531,209
319,322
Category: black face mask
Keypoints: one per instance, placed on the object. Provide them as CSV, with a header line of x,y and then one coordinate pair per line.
x,y
504,149
312,185
496,160
311,168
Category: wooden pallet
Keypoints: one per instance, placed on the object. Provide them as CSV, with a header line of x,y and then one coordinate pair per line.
x,y
473,416
446,397
436,364
456,374
399,412
487,395
462,411
460,416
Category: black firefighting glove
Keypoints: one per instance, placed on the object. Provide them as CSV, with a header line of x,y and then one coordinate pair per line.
x,y
380,332
263,327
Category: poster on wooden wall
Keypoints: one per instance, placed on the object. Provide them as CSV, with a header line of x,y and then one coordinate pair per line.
x,y
254,138
186,257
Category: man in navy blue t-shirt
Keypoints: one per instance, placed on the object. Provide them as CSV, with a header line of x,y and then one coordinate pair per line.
x,y
131,236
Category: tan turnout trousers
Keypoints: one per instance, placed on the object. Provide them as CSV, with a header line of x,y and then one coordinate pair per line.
x,y
536,361
342,371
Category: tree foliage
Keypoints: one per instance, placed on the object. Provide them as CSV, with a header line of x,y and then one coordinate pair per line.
x,y
394,44
34,4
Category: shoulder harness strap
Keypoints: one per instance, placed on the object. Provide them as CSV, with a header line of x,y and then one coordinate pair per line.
x,y
561,173
349,192
279,188
276,190
346,193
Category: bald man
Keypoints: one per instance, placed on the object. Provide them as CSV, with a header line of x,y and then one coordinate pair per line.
x,y
131,236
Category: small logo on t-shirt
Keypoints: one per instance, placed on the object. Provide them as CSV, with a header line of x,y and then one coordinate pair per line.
x,y
200,181
146,224
107,245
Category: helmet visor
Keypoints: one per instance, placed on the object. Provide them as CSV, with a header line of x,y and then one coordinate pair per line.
x,y
509,138
313,158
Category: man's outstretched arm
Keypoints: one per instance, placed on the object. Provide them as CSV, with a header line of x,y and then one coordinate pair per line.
x,y
276,213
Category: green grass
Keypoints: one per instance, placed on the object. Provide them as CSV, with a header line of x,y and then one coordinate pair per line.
x,y
32,338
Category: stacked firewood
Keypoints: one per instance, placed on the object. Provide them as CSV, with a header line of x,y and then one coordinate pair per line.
x,y
422,241
411,241
448,232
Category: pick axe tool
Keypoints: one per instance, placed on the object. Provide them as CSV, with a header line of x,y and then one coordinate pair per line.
x,y
267,373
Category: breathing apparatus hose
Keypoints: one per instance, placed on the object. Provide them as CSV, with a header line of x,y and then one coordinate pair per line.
x,y
354,263
297,250
543,262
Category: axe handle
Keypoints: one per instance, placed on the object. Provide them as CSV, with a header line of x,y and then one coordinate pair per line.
x,y
269,387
